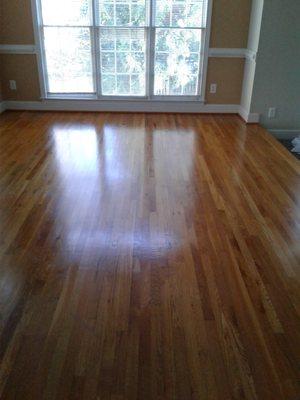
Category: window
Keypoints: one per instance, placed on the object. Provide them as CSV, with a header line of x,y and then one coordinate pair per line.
x,y
123,48
123,61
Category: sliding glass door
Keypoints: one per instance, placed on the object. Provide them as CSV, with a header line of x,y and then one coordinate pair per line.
x,y
123,48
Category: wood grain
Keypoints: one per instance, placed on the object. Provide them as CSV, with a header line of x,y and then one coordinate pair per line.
x,y
148,257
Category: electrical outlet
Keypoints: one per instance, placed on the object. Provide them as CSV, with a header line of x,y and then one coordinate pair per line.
x,y
213,88
13,85
272,112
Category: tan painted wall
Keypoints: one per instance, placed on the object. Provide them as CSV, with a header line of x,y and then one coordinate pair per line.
x,y
230,21
228,74
16,22
23,69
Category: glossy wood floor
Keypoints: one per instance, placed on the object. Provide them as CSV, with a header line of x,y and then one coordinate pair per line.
x,y
147,257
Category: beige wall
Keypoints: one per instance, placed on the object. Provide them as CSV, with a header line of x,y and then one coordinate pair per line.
x,y
23,69
16,25
228,74
230,22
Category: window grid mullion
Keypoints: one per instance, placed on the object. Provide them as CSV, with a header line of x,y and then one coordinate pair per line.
x,y
96,48
151,50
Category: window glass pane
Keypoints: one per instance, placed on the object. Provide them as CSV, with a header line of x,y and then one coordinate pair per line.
x,y
107,14
123,12
180,13
163,13
177,60
108,61
123,61
67,12
123,84
108,84
136,84
69,63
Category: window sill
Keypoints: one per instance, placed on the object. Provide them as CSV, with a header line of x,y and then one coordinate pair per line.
x,y
146,106
155,99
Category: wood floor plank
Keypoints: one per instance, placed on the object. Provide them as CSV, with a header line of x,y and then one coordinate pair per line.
x,y
147,257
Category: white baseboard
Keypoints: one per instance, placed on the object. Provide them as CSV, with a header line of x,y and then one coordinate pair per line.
x,y
285,133
2,106
131,106
122,106
250,118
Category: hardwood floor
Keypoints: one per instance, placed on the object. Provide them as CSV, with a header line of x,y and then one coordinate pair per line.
x,y
147,257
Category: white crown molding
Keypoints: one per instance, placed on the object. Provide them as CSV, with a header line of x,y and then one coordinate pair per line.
x,y
232,53
122,106
17,49
249,118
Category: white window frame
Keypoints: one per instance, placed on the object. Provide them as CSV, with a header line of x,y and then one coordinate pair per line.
x,y
150,58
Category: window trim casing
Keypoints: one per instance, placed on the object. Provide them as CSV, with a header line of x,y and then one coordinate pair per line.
x,y
36,8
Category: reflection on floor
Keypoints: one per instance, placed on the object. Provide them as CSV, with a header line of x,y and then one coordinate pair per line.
x,y
147,257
